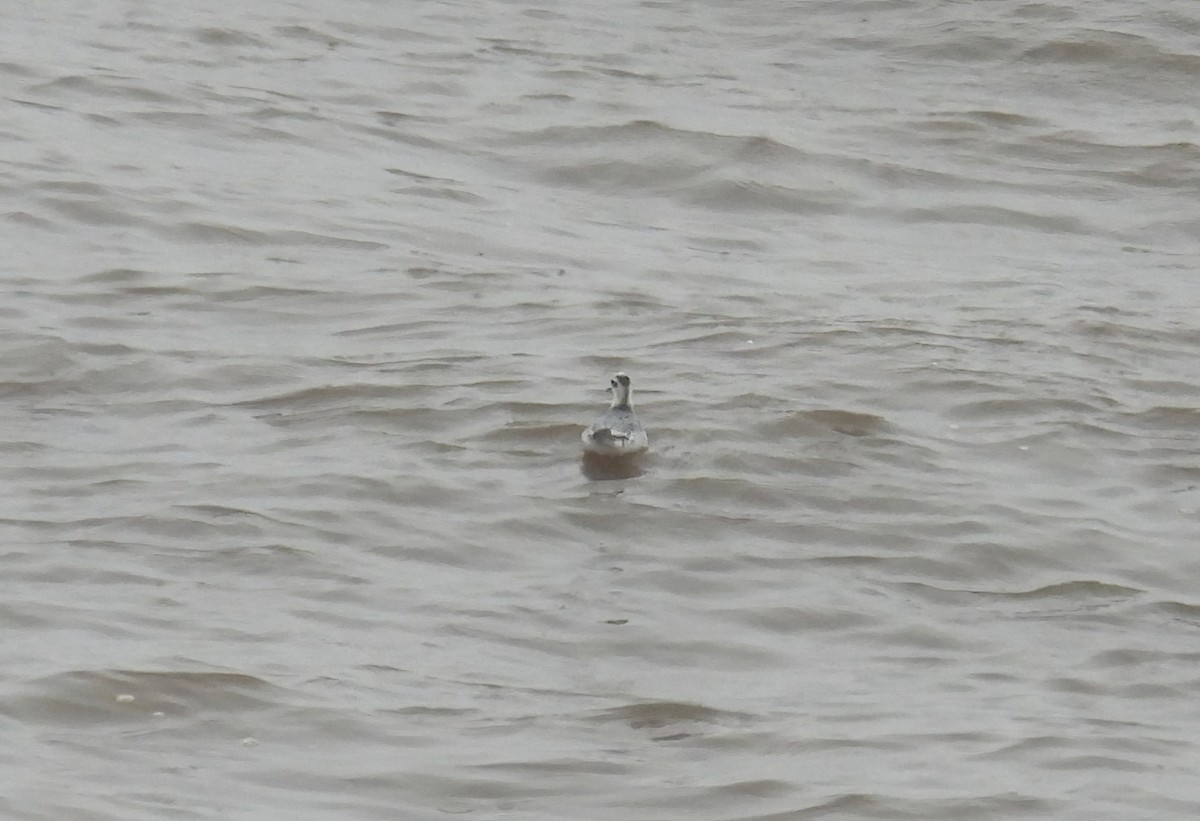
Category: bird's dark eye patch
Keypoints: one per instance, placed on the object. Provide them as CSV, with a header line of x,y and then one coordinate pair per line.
x,y
623,379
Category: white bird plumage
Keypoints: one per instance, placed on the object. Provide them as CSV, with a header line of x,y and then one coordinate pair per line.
x,y
618,432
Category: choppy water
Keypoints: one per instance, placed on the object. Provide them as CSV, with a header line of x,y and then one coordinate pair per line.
x,y
306,305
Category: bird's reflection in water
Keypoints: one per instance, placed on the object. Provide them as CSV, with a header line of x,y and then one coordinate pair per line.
x,y
597,466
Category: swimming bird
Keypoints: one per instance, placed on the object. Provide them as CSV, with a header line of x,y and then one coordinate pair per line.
x,y
618,432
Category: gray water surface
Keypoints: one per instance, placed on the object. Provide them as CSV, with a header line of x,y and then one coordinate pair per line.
x,y
306,305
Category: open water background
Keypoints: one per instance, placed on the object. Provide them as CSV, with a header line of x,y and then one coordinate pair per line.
x,y
305,304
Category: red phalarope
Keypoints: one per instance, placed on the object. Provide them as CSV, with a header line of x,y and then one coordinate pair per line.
x,y
618,432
